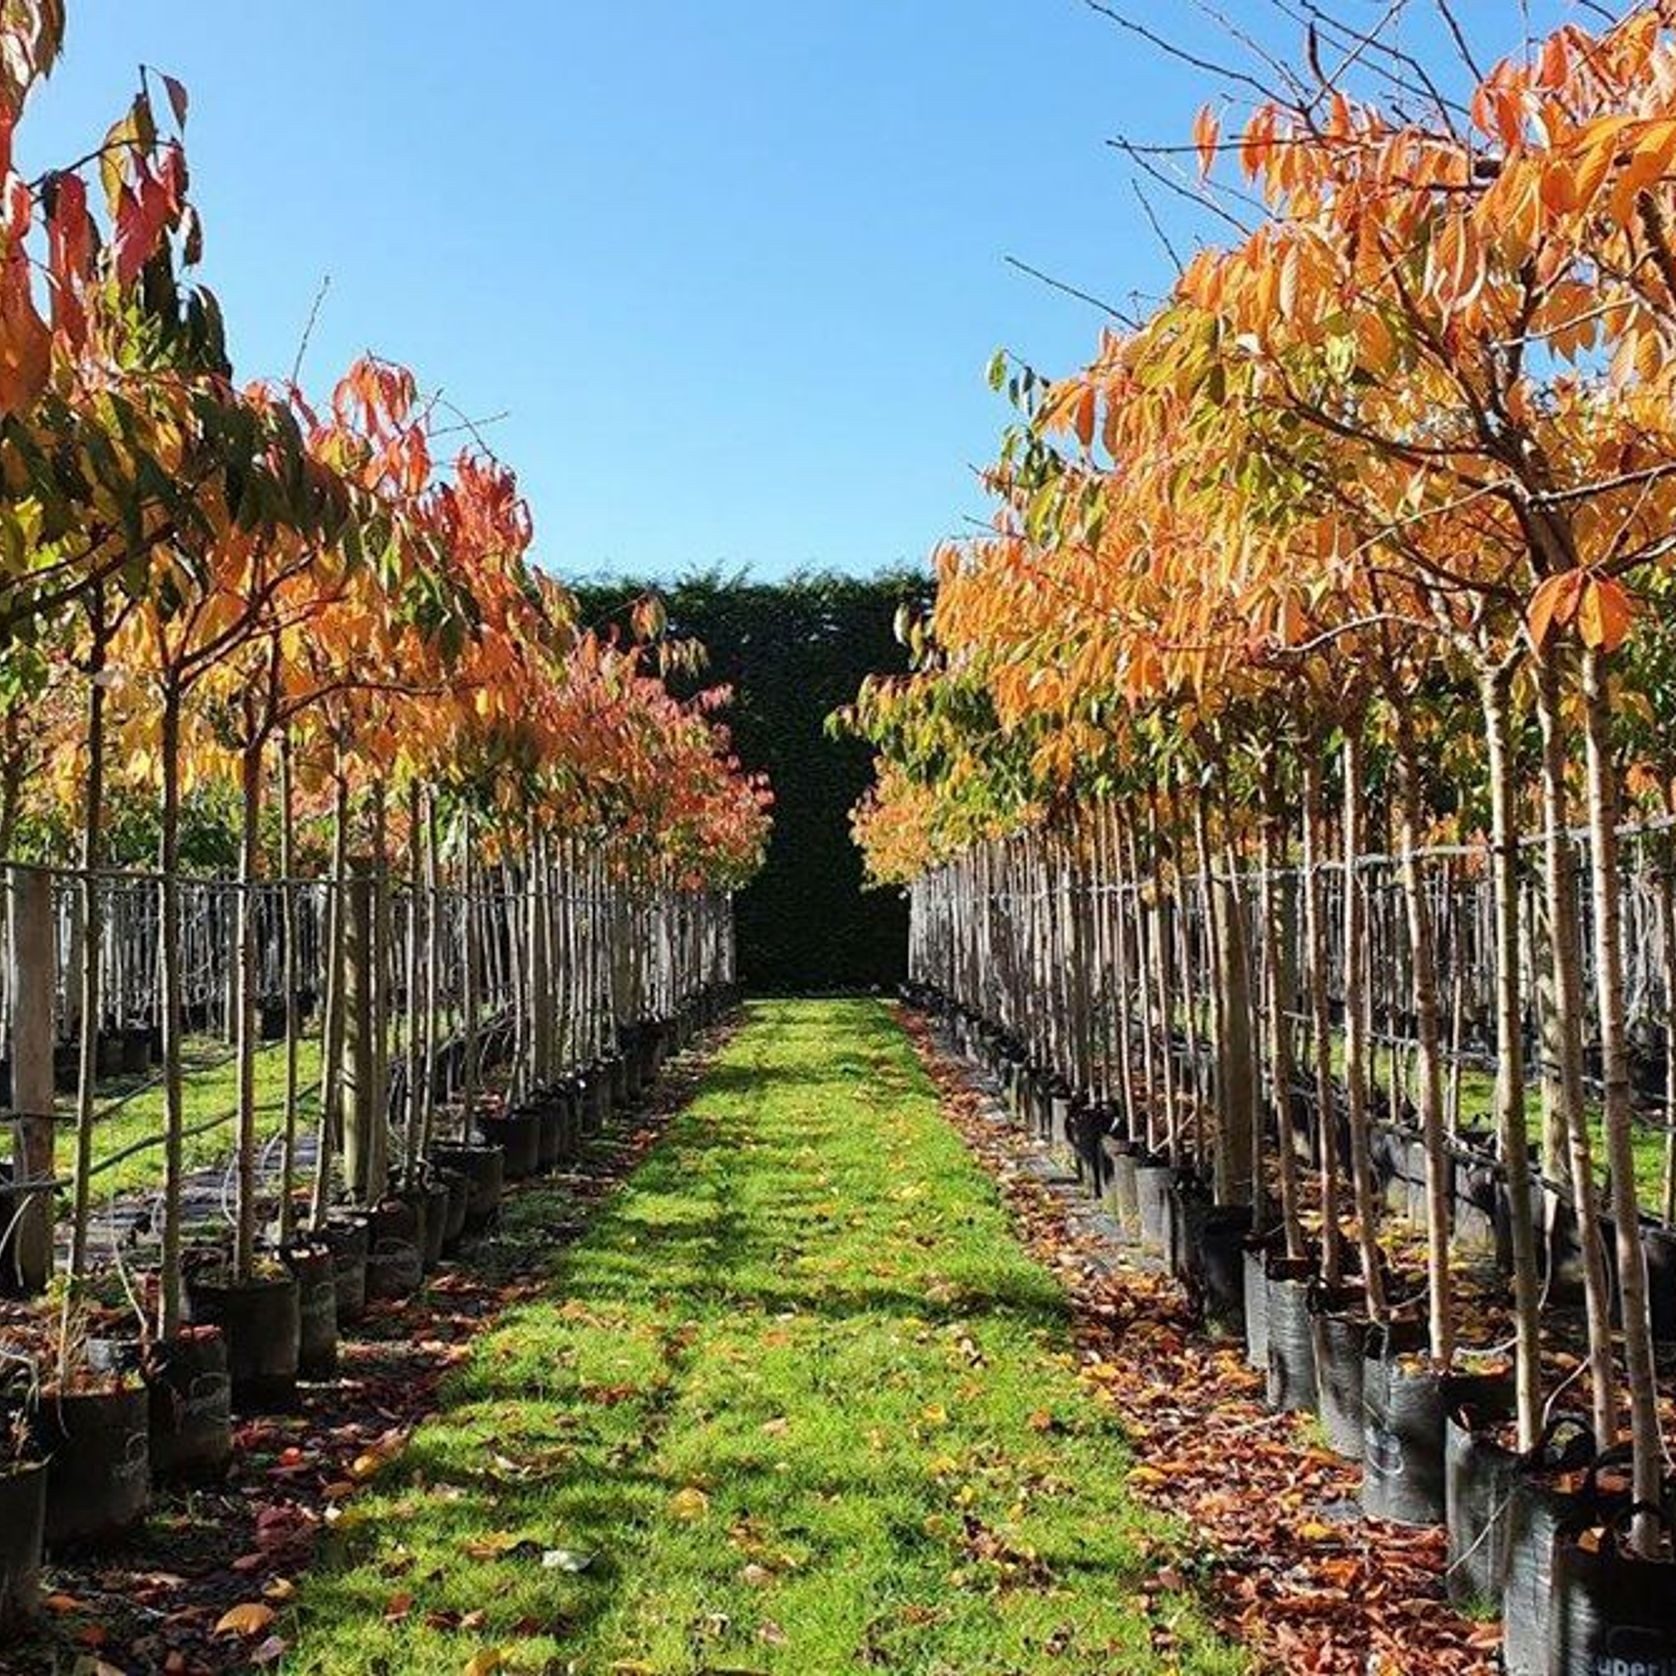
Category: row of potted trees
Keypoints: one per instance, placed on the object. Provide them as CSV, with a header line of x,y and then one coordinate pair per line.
x,y
79,1464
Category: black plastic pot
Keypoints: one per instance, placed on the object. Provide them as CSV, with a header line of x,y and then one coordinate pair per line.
x,y
1291,1340
1561,1253
98,1450
1402,1442
1339,1320
1254,1278
1185,1210
1475,1179
395,1262
518,1135
261,1321
549,1147
1418,1207
348,1234
459,1202
591,1100
482,1166
1222,1237
1659,1244
23,1512
107,1057
1537,1509
1120,1194
437,1200
1478,1476
1152,1191
191,1407
570,1119
136,1050
1614,1611
314,1266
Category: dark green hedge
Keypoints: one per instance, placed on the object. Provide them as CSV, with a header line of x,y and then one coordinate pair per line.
x,y
794,651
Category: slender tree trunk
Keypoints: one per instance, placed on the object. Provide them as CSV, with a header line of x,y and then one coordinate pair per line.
x,y
1282,989
1510,1084
414,1113
292,975
1355,1024
1619,1121
433,969
88,889
250,788
169,953
1321,1017
331,1033
1566,1030
1423,963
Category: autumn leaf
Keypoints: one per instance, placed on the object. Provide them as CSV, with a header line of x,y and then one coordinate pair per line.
x,y
1207,131
689,1504
249,1619
1605,613
1554,604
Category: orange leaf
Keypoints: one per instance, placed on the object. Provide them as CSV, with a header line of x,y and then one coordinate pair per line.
x,y
250,1619
1554,604
1604,615
1206,132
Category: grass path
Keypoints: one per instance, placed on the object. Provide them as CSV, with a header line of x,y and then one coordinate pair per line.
x,y
796,1402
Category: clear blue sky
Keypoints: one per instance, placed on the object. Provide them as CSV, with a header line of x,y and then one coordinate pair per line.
x,y
732,267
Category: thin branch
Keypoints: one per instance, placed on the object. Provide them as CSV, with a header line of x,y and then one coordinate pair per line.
x,y
1168,47
1073,291
308,328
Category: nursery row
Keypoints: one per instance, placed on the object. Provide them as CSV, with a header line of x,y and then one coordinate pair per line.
x,y
1285,782
297,740
82,1462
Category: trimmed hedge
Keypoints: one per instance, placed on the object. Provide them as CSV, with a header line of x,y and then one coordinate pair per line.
x,y
794,651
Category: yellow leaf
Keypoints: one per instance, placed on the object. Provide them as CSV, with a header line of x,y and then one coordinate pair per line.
x,y
689,1504
249,1619
485,1662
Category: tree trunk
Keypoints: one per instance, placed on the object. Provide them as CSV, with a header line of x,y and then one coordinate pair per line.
x,y
292,976
1282,989
170,959
250,789
1566,1030
331,1033
1510,1084
1321,1015
1355,1025
1619,1121
88,890
1423,963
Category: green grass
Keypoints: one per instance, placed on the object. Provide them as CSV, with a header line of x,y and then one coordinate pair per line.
x,y
797,1402
209,1091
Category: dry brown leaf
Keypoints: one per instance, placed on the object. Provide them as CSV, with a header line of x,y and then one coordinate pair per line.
x,y
249,1619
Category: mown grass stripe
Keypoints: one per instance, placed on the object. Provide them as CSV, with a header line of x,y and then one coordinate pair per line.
x,y
796,1402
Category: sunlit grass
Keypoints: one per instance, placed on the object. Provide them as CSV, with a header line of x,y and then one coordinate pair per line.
x,y
797,1402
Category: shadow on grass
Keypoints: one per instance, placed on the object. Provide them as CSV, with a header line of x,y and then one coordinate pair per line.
x,y
770,1265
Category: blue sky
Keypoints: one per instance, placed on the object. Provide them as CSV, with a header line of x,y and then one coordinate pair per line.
x,y
733,268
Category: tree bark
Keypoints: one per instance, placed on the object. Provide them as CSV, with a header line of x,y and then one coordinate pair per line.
x,y
1510,1084
1566,1031
1645,1442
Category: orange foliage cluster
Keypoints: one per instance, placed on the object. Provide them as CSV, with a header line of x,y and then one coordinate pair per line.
x,y
234,568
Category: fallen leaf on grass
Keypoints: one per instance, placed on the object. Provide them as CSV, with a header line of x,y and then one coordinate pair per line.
x,y
688,1504
486,1662
566,1559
